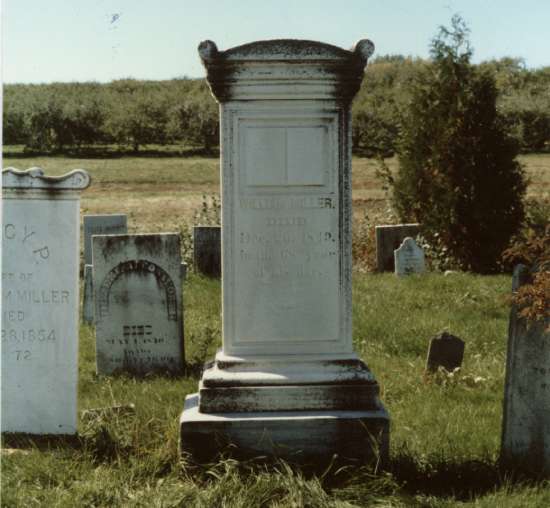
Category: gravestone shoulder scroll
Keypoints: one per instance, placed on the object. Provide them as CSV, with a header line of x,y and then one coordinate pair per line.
x,y
409,258
108,224
138,306
388,238
526,415
287,377
40,286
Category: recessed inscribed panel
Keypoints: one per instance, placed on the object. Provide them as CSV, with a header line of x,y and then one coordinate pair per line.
x,y
283,155
286,239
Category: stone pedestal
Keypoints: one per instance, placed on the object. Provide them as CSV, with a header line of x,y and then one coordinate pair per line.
x,y
287,381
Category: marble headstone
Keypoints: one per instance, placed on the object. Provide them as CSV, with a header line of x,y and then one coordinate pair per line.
x,y
114,224
389,238
445,351
40,264
207,250
138,306
409,258
526,415
287,377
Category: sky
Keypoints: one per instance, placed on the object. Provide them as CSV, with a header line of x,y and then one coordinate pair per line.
x,y
101,40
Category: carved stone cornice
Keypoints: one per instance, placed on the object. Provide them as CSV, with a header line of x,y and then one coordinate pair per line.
x,y
285,69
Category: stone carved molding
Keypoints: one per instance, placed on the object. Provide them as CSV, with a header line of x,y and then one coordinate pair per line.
x,y
144,267
263,69
34,178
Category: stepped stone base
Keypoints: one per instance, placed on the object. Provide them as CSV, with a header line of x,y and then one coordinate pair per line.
x,y
299,436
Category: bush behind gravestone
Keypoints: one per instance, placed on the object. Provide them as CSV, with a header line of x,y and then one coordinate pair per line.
x,y
458,175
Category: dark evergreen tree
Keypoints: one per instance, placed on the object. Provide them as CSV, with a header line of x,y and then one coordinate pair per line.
x,y
458,175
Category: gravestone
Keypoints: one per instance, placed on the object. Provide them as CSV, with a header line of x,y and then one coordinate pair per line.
x,y
40,264
445,351
389,238
101,225
138,308
183,272
409,258
287,379
526,415
88,296
207,250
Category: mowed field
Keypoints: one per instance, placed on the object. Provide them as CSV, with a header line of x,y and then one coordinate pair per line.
x,y
158,193
445,431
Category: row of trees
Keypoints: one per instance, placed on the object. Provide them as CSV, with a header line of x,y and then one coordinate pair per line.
x,y
131,113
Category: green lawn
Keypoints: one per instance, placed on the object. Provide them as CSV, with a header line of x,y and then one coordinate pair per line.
x,y
444,439
445,434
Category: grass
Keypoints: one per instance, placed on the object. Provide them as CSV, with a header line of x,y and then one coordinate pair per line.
x,y
444,439
445,434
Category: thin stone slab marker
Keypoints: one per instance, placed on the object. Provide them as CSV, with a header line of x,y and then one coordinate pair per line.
x,y
40,300
388,238
108,224
526,415
287,379
409,258
138,309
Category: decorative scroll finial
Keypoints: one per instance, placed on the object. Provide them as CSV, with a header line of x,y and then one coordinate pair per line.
x,y
207,50
364,49
34,178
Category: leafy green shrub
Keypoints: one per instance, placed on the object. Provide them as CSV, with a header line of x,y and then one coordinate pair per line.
x,y
458,175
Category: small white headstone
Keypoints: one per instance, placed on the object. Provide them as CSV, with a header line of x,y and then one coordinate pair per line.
x,y
40,246
388,238
138,310
101,225
409,258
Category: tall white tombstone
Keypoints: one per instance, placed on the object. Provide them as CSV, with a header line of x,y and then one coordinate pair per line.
x,y
287,379
138,308
40,261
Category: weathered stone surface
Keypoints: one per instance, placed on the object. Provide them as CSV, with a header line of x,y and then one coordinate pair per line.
x,y
445,351
389,238
101,225
287,374
138,310
526,415
409,258
207,253
40,244
88,296
301,436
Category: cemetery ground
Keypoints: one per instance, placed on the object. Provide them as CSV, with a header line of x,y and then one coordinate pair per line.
x,y
445,430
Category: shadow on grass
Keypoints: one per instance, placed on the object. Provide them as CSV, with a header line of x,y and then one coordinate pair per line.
x,y
106,153
458,479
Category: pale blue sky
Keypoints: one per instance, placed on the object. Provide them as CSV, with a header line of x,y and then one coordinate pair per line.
x,y
102,40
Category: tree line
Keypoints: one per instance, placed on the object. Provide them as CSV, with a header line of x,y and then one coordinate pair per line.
x,y
64,117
